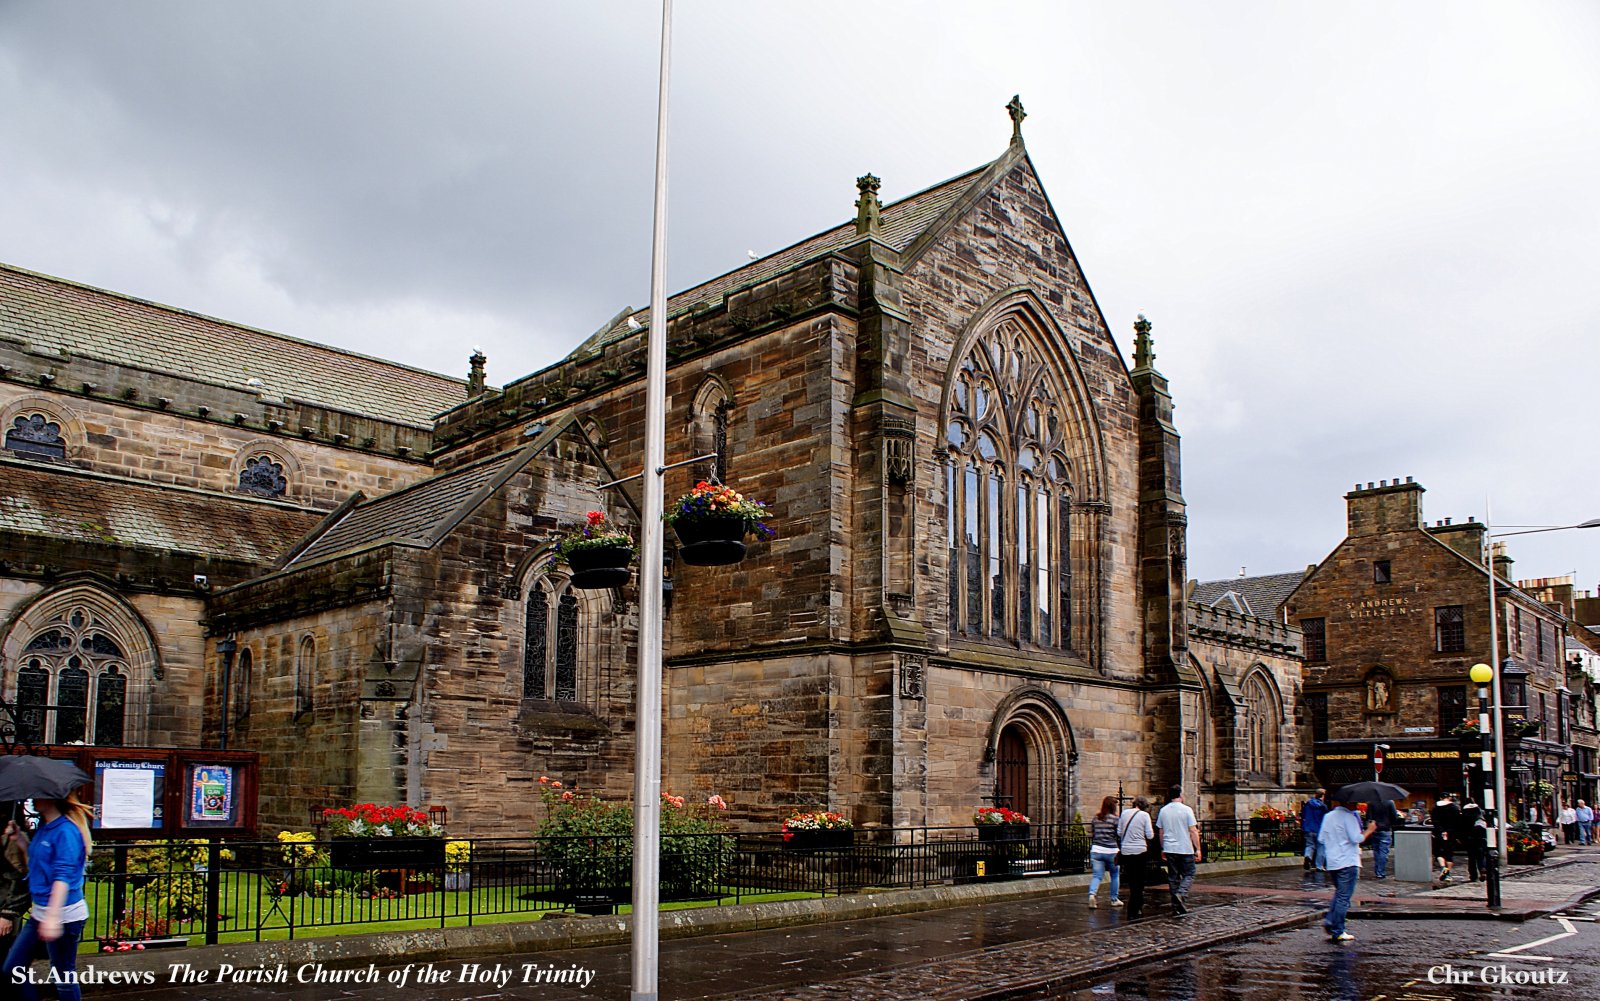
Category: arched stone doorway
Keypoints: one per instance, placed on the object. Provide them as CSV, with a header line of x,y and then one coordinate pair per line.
x,y
1011,770
1033,756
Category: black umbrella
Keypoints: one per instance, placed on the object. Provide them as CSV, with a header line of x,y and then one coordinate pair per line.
x,y
1370,792
24,776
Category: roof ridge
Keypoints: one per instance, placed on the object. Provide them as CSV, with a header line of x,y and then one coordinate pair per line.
x,y
180,311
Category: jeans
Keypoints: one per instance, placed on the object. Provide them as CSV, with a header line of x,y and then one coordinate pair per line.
x,y
63,953
1586,831
1102,865
1180,873
1344,888
1314,852
1382,841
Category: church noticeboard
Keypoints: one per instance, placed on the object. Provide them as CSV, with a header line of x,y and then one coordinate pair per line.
x,y
152,792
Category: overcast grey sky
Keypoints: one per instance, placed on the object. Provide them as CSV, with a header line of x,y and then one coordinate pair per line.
x,y
1366,233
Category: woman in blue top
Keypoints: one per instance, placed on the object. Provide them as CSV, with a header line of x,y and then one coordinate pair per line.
x,y
56,863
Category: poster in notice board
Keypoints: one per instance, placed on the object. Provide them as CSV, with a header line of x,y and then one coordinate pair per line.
x,y
129,794
213,799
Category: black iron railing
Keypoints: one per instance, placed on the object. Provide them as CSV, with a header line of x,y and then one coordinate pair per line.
x,y
250,890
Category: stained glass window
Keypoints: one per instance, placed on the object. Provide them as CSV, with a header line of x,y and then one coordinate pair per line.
x,y
550,651
1008,491
73,687
535,639
263,477
36,435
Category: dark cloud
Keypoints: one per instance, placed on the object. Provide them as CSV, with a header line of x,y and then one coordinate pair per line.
x,y
1365,235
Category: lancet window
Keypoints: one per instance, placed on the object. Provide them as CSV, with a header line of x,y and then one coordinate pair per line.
x,y
1009,487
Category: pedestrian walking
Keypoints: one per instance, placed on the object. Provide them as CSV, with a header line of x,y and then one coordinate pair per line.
x,y
1446,821
1568,819
1180,847
1472,838
1134,835
1311,815
57,859
14,895
1341,839
1585,823
1103,849
1383,816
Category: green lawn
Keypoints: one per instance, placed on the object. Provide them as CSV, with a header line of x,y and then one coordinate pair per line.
x,y
245,902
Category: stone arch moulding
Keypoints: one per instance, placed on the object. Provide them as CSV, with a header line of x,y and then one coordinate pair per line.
x,y
1048,734
73,433
706,426
1024,306
294,482
113,616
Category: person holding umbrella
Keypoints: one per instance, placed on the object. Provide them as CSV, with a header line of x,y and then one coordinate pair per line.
x,y
57,860
1341,838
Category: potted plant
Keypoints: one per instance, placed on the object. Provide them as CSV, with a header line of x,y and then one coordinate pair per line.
x,y
368,836
458,865
999,823
1522,849
599,555
1267,819
711,522
818,829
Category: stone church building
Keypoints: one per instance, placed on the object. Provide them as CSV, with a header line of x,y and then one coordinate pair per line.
x,y
975,593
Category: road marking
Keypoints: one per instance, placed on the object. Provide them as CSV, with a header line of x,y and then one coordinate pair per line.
x,y
1511,952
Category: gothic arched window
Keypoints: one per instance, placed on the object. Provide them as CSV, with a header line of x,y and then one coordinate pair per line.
x,y
242,686
1009,489
1261,724
36,435
263,476
550,670
72,685
305,676
708,430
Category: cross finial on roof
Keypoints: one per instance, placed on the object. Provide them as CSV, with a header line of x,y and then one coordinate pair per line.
x,y
868,209
1144,354
1014,109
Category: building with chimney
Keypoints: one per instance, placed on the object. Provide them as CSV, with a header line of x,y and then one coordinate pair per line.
x,y
975,594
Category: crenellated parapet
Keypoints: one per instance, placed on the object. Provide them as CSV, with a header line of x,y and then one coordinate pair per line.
x,y
1225,625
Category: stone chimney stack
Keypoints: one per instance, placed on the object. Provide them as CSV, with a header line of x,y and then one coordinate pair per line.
x,y
1502,561
1384,507
1464,537
475,374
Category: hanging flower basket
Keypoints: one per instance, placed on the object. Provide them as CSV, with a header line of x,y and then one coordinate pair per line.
x,y
598,555
711,522
601,567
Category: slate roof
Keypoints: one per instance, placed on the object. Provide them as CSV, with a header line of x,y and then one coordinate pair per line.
x,y
1260,596
55,315
901,223
418,515
50,500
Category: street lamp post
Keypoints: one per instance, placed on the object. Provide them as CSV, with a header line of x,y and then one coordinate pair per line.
x,y
1482,675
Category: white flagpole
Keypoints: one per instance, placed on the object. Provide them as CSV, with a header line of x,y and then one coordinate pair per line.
x,y
647,766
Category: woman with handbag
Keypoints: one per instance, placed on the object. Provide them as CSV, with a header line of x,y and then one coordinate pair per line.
x,y
1134,833
1103,850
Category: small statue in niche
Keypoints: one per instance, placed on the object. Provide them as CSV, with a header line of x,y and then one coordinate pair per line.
x,y
1378,692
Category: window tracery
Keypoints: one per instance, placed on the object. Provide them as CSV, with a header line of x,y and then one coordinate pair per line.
x,y
1261,726
1009,485
262,476
72,684
36,435
550,670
